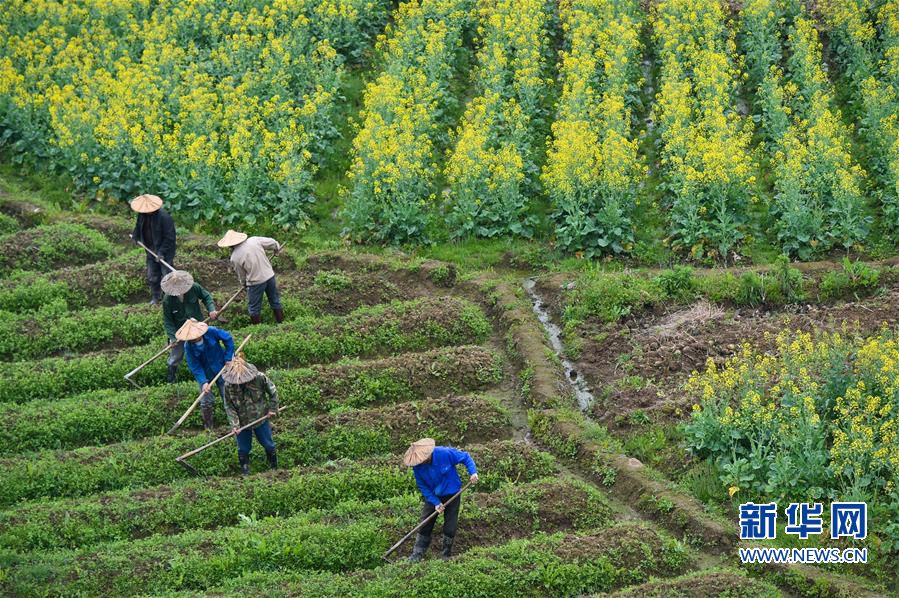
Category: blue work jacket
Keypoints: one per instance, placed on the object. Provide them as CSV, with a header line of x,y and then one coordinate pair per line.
x,y
207,358
439,477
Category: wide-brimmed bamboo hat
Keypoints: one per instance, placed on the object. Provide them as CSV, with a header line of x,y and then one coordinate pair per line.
x,y
232,238
146,204
239,371
177,282
191,330
418,452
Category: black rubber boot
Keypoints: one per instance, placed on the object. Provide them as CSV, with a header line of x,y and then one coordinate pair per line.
x,y
272,457
279,315
257,319
208,422
244,461
155,298
173,374
421,547
447,547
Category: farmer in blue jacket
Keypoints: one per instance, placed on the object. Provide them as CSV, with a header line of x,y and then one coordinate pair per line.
x,y
435,473
207,349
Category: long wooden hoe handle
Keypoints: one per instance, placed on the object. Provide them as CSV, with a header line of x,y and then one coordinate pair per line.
x,y
170,345
148,362
190,454
228,302
200,396
423,523
154,254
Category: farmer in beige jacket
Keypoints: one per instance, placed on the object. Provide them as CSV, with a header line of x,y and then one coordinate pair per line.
x,y
254,270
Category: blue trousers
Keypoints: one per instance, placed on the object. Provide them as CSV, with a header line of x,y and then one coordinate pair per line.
x,y
255,292
263,434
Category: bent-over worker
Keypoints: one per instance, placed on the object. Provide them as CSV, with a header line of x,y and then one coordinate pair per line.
x,y
208,350
254,270
156,230
249,395
182,301
435,473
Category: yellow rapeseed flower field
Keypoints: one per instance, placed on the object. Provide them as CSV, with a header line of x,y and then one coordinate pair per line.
x,y
493,147
593,172
222,109
708,167
816,417
478,117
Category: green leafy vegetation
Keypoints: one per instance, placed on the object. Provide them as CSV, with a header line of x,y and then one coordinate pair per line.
x,y
216,502
370,331
301,440
103,416
51,246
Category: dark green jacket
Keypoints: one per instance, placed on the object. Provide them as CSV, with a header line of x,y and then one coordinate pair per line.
x,y
250,401
176,312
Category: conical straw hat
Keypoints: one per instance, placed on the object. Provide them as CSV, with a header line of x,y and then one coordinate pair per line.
x,y
146,204
418,452
191,330
239,371
177,282
232,238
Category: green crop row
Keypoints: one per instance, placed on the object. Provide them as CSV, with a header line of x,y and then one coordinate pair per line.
x,y
101,283
122,279
553,565
371,331
217,502
8,224
45,326
117,280
37,211
25,213
300,440
349,535
51,246
54,330
104,416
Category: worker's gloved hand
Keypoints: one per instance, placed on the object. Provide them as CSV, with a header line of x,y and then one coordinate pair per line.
x,y
439,508
213,314
272,413
235,429
474,478
158,259
206,388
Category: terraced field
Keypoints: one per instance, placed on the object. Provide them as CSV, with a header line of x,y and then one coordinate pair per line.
x,y
377,351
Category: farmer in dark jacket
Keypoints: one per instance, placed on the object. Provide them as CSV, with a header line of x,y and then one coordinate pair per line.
x,y
435,473
156,230
250,395
208,349
182,301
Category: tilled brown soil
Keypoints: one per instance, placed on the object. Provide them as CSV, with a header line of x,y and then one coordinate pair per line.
x,y
641,362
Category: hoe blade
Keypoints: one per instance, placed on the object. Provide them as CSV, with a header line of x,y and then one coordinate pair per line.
x,y
190,468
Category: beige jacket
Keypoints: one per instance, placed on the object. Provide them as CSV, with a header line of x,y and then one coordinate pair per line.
x,y
250,262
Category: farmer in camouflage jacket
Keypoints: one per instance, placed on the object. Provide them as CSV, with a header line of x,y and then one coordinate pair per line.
x,y
249,395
